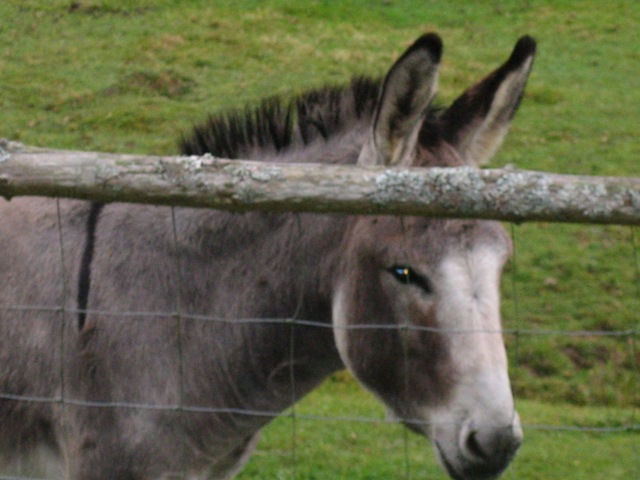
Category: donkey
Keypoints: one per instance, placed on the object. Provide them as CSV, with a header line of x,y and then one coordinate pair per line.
x,y
141,342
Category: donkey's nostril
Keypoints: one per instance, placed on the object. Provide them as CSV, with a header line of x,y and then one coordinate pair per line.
x,y
473,446
492,444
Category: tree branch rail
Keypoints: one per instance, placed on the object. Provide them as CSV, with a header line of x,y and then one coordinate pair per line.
x,y
241,185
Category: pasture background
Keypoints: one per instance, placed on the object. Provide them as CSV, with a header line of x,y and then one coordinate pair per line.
x,y
131,76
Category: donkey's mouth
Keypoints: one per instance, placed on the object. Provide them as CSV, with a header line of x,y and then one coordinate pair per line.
x,y
470,470
447,466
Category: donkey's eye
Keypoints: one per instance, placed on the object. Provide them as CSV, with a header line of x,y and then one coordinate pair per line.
x,y
408,276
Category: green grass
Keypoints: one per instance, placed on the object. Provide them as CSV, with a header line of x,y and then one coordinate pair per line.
x,y
130,76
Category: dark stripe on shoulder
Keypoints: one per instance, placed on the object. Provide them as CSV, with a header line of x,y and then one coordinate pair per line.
x,y
84,278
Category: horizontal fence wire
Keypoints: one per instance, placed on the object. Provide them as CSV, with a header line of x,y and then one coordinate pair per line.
x,y
323,325
302,416
306,323
4,477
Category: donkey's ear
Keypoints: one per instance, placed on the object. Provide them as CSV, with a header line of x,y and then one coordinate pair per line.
x,y
478,120
406,93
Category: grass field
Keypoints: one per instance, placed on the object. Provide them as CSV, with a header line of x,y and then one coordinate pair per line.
x,y
130,76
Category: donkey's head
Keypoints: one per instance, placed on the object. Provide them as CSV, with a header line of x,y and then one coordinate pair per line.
x,y
438,361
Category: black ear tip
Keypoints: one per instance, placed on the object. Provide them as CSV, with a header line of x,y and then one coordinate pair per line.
x,y
525,48
432,42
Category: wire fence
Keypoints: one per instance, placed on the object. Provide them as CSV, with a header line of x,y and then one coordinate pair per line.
x,y
519,333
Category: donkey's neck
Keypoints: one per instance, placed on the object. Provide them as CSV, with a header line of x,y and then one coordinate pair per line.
x,y
275,268
270,270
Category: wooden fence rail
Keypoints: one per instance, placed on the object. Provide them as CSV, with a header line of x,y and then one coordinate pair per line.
x,y
240,185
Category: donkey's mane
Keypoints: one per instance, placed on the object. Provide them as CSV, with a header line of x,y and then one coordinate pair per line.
x,y
278,124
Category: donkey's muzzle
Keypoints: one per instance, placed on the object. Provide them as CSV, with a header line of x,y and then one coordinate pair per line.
x,y
484,452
